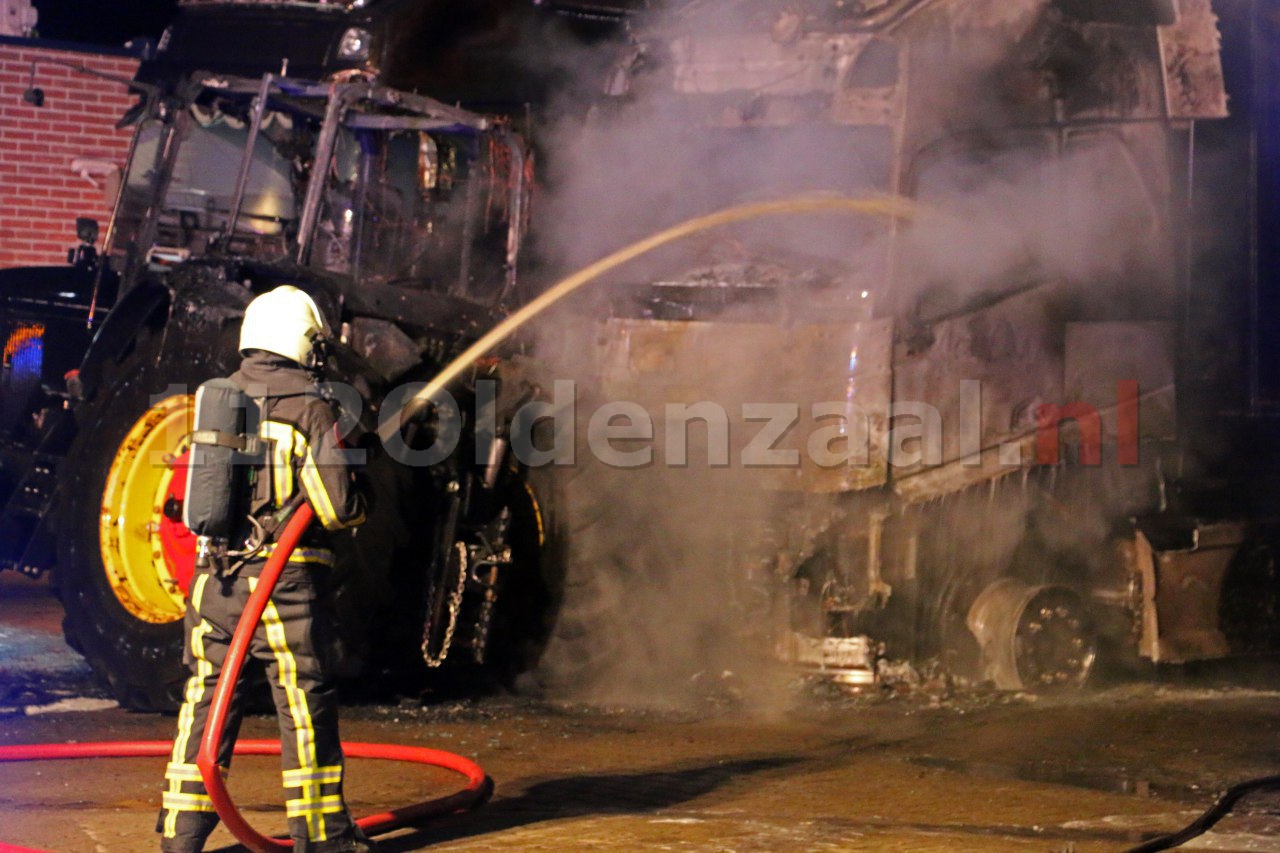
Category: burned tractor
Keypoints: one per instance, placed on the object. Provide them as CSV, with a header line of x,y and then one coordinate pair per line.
x,y
403,217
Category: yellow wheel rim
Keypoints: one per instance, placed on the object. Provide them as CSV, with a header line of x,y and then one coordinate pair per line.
x,y
132,507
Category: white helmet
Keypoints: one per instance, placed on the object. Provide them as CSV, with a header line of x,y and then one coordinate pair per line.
x,y
284,321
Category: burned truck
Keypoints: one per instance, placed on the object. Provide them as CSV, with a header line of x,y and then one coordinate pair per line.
x,y
991,438
954,374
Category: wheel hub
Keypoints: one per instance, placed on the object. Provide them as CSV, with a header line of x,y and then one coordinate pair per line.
x,y
1033,637
140,570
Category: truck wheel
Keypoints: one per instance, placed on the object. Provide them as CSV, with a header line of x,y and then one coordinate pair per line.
x,y
1033,637
123,596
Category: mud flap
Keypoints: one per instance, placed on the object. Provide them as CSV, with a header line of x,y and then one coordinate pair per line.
x,y
1181,594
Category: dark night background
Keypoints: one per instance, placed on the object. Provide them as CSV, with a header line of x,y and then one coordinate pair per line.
x,y
102,21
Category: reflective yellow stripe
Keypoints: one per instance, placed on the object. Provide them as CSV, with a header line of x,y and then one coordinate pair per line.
x,y
177,802
320,776
302,555
313,807
182,773
287,443
191,697
288,676
197,594
318,494
290,443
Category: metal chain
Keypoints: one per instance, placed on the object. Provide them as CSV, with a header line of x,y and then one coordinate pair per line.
x,y
455,607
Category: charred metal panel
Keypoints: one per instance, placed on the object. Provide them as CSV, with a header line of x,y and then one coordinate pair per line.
x,y
924,483
1012,349
1191,51
654,363
1102,355
385,346
764,65
1181,593
772,78
1008,62
846,660
1023,356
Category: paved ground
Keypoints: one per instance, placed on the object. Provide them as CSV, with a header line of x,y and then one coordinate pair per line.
x,y
918,771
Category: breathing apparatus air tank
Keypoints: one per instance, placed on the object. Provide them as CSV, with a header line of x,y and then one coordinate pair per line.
x,y
224,448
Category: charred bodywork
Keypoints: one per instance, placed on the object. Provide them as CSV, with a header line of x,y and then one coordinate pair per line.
x,y
404,218
966,538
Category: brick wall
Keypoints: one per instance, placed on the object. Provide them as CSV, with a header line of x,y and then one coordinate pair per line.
x,y
40,195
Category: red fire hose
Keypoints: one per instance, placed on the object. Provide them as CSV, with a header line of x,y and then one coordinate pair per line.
x,y
475,793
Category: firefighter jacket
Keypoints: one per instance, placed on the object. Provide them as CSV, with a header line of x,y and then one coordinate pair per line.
x,y
300,428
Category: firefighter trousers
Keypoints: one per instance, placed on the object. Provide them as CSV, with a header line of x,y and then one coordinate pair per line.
x,y
294,643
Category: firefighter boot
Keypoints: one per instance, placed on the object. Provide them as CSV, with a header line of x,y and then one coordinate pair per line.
x,y
364,844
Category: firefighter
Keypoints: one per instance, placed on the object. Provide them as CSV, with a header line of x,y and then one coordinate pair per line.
x,y
299,451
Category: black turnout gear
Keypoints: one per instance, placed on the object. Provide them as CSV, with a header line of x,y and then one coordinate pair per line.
x,y
295,640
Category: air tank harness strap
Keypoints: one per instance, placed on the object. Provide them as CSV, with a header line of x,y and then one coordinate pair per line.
x,y
264,528
250,445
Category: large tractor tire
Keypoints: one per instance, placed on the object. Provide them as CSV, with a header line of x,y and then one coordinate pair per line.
x,y
124,599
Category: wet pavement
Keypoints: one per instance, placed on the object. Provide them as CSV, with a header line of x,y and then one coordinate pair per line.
x,y
920,770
